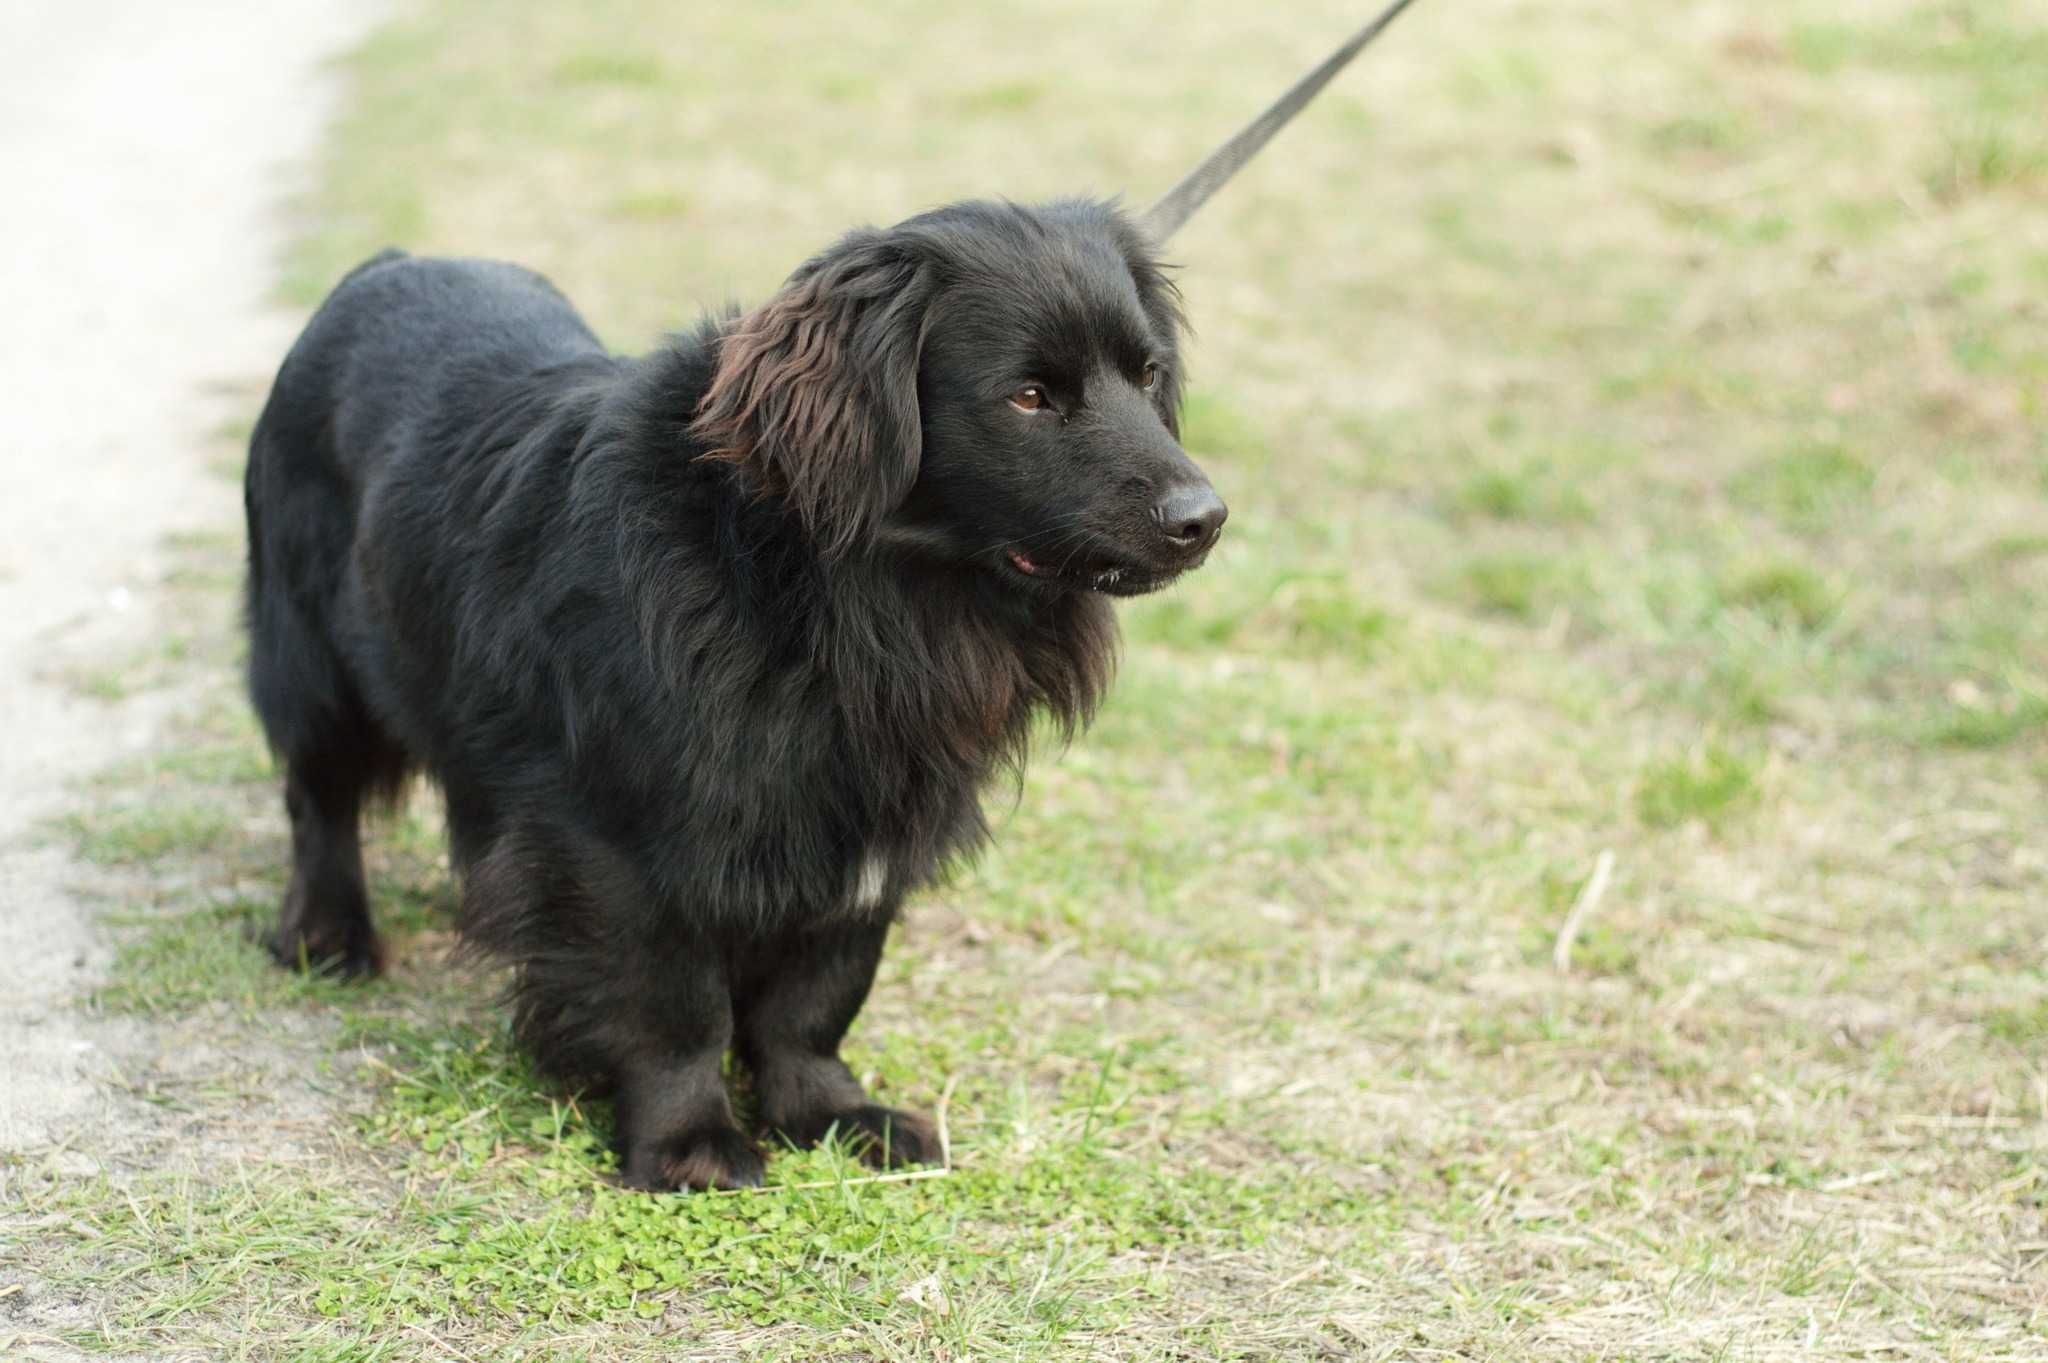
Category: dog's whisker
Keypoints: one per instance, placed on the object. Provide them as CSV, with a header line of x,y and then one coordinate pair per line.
x,y
1062,523
1081,539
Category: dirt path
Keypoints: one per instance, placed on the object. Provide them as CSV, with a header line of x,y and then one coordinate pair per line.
x,y
145,149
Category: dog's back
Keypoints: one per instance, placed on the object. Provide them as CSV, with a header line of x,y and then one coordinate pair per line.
x,y
404,339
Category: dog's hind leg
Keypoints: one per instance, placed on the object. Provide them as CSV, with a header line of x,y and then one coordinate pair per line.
x,y
334,753
802,994
324,923
335,759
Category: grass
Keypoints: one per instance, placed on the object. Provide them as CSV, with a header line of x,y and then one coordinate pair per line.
x,y
1705,785
1505,584
1786,593
1973,719
148,831
1807,485
1644,473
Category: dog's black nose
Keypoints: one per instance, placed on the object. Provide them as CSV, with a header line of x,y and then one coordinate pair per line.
x,y
1191,516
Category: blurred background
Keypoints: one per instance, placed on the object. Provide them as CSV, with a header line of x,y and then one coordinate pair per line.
x,y
1568,879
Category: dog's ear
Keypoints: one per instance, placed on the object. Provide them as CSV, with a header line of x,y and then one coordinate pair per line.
x,y
814,393
1160,297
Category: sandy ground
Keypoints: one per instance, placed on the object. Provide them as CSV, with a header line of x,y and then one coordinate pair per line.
x,y
146,151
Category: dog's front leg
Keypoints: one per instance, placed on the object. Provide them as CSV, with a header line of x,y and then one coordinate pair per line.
x,y
614,995
675,1125
799,994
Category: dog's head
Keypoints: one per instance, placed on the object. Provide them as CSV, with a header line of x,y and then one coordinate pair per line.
x,y
987,382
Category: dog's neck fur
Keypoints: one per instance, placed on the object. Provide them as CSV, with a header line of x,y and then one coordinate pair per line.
x,y
959,660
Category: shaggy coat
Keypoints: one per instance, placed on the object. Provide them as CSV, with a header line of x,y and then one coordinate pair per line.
x,y
712,651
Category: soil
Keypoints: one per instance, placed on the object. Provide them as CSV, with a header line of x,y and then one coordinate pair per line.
x,y
150,152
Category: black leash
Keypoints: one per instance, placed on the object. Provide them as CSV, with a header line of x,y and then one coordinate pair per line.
x,y
1165,217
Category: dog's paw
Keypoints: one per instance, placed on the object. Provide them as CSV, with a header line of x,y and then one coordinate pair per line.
x,y
886,1137
350,956
710,1157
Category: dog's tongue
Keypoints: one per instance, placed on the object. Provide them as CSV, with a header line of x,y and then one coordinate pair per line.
x,y
1024,564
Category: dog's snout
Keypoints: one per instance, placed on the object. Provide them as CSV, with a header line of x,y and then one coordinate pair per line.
x,y
1191,516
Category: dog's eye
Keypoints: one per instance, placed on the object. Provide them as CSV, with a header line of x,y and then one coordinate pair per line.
x,y
1149,378
1030,398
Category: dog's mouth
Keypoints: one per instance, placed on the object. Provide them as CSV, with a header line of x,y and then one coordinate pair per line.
x,y
1113,577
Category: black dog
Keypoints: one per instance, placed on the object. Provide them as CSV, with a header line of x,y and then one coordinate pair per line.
x,y
711,651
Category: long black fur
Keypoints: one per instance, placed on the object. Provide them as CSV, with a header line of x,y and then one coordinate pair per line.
x,y
711,651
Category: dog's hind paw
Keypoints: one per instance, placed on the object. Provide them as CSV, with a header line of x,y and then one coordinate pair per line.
x,y
710,1157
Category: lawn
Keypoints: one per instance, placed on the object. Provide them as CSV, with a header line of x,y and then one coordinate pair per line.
x,y
1569,880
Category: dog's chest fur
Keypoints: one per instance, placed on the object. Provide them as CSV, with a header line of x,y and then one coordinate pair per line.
x,y
931,698
802,735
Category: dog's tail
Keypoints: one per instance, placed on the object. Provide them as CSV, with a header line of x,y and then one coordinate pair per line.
x,y
1165,217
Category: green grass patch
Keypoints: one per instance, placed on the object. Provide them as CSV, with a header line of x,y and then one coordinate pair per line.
x,y
1786,593
1008,97
1984,158
2022,1024
1511,585
608,68
1536,492
1213,424
1309,614
1037,1234
149,830
2017,548
1744,695
1500,495
1707,784
1988,721
1807,483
